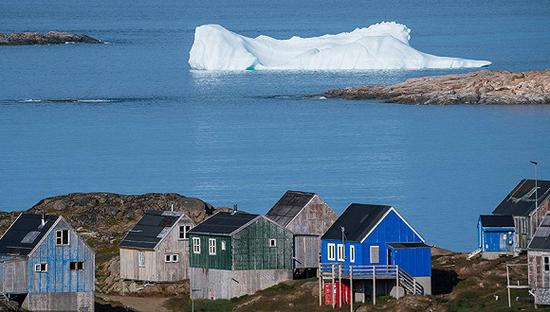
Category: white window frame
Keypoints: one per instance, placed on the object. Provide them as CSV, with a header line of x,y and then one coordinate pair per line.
x,y
38,267
352,253
171,258
141,259
223,245
59,238
175,258
341,252
546,264
331,251
196,245
272,242
186,229
372,253
212,246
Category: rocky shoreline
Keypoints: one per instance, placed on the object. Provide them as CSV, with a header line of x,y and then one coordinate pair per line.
x,y
480,87
51,37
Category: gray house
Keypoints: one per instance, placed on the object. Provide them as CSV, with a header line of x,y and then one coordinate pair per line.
x,y
520,203
538,260
44,260
156,249
308,217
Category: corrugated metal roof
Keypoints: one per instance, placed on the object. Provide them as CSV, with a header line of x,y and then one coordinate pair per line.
x,y
541,240
357,221
289,206
150,229
497,221
521,200
223,223
408,245
25,233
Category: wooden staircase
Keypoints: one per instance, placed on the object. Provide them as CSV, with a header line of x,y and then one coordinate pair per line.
x,y
474,253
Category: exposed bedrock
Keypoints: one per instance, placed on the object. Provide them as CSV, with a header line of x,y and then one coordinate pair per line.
x,y
51,37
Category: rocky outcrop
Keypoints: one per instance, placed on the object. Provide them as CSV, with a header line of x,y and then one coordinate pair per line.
x,y
480,87
52,37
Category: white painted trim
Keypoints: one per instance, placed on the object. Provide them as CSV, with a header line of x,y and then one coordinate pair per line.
x,y
371,253
196,239
334,251
341,256
384,216
212,248
352,254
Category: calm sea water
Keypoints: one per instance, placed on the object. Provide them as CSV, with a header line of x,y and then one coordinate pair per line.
x,y
130,117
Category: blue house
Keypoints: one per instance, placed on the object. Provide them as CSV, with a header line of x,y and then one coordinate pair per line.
x,y
376,242
46,265
496,235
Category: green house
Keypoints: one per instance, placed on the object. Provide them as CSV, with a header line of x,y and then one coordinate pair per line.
x,y
233,254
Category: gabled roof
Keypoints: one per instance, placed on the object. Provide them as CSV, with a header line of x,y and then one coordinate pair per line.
x,y
358,220
151,229
224,223
541,240
497,221
25,233
521,200
289,206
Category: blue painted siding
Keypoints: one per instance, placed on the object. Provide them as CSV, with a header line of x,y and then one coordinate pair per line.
x,y
415,261
497,239
59,277
392,229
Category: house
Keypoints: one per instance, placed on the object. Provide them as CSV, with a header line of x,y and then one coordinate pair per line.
x,y
156,249
538,261
373,249
520,203
307,216
234,254
44,261
496,236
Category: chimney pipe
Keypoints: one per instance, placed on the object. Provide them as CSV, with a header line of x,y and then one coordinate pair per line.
x,y
172,207
234,207
43,218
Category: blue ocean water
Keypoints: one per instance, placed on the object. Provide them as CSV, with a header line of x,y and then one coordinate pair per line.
x,y
131,117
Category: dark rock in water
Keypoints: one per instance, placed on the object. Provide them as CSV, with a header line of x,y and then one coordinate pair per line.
x,y
481,87
52,37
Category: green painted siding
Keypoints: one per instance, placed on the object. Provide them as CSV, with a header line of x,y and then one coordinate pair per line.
x,y
251,248
222,259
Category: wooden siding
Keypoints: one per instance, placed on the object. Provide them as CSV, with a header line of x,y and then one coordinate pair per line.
x,y
59,277
221,260
306,251
536,277
226,284
251,249
156,269
314,219
523,232
59,301
13,276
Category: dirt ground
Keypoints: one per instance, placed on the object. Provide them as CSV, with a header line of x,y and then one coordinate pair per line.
x,y
139,304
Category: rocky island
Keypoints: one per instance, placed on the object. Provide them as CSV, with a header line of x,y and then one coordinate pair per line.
x,y
480,87
51,37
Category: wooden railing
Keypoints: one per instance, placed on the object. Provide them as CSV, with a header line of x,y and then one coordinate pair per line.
x,y
381,271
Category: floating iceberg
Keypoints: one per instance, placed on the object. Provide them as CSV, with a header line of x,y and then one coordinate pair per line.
x,y
380,46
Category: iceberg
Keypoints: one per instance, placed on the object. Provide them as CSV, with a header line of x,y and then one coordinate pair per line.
x,y
380,46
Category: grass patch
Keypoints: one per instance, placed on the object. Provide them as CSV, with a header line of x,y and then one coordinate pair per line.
x,y
181,304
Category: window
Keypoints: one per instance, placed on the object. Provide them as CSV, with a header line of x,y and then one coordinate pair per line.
x,y
351,253
212,246
272,242
196,245
374,254
76,266
41,267
141,259
546,264
330,248
184,229
62,237
223,245
341,252
171,258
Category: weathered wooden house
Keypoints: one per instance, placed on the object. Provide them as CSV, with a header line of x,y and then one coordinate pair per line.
x,y
520,203
496,236
538,259
156,249
308,217
44,260
234,254
373,250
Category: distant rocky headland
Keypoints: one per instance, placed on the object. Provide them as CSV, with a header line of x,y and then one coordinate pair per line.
x,y
52,37
480,87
